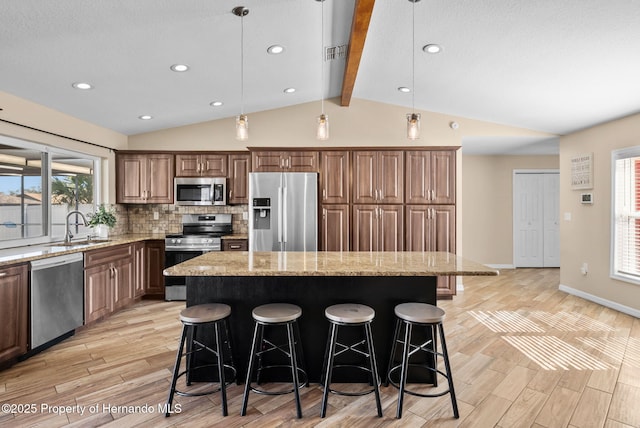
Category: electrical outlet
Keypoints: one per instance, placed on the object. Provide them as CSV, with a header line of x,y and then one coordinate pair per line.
x,y
584,269
156,215
245,215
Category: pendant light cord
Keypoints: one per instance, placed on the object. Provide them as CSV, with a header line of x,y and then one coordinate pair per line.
x,y
322,56
242,63
413,58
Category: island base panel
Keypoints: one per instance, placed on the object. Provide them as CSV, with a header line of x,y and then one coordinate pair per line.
x,y
313,295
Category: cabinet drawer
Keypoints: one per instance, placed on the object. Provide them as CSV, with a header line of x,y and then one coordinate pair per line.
x,y
235,245
107,255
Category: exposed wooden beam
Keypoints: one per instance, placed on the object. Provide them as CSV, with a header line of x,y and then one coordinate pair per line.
x,y
359,27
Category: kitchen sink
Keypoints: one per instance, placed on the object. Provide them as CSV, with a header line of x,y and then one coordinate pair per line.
x,y
78,243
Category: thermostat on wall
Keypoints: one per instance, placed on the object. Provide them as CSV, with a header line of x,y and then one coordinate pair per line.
x,y
586,198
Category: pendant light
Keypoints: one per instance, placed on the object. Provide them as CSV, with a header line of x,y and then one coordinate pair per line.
x,y
413,118
242,121
322,132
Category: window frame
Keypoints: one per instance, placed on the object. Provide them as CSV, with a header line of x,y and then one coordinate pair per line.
x,y
616,155
50,152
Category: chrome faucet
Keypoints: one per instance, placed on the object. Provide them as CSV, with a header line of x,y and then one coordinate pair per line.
x,y
67,233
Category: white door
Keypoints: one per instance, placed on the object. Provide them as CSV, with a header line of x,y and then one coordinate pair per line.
x,y
528,212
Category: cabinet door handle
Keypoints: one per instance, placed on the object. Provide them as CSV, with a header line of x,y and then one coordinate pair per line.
x,y
235,247
3,274
230,193
324,193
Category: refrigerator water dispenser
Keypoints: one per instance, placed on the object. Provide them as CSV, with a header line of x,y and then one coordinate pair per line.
x,y
261,213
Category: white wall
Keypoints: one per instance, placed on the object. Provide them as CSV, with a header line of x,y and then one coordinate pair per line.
x,y
586,237
487,198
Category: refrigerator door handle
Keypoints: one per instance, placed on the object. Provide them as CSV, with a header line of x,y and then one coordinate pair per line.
x,y
284,220
280,216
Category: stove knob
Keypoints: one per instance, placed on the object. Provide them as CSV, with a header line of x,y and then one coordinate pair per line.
x,y
179,241
173,240
209,241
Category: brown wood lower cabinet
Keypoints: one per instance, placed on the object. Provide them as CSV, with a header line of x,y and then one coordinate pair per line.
x,y
235,245
334,229
378,228
153,262
14,310
108,280
433,228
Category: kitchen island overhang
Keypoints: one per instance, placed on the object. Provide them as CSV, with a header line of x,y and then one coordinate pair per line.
x,y
314,281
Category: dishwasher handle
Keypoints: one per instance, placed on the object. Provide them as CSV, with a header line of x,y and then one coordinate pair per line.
x,y
56,261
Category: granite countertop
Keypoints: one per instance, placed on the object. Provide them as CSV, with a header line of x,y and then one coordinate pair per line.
x,y
28,253
325,263
235,236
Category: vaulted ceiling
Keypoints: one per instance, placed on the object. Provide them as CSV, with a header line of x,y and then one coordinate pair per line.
x,y
547,65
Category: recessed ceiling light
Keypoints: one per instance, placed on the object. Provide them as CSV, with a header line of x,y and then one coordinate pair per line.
x,y
216,103
432,48
179,67
275,49
289,90
82,85
145,117
404,89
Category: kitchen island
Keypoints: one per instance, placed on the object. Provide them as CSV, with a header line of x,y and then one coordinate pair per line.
x,y
315,280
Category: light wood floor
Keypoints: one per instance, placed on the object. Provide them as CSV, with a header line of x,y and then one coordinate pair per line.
x,y
523,354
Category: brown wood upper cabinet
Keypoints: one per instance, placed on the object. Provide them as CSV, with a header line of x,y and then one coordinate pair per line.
x,y
201,165
378,177
144,178
239,167
430,177
334,177
14,310
286,161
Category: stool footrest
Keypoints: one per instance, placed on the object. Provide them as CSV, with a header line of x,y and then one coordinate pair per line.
x,y
417,394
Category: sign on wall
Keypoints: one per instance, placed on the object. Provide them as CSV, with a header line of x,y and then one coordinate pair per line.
x,y
582,171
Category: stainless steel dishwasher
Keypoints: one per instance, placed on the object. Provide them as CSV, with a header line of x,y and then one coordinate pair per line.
x,y
57,298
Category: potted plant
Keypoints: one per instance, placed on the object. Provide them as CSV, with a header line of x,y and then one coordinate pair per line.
x,y
102,220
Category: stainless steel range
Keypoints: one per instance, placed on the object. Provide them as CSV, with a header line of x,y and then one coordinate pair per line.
x,y
200,234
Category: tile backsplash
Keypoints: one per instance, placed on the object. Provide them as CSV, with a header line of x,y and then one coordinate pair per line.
x,y
139,218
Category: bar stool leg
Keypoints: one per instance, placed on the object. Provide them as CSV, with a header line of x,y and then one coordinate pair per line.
x,y
223,385
176,369
247,385
227,333
447,366
396,334
374,367
294,368
404,369
328,370
191,332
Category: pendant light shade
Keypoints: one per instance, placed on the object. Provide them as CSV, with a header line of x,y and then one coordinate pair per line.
x,y
323,127
242,121
322,133
413,118
242,127
413,126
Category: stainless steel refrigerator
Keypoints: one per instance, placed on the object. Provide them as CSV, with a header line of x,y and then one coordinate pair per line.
x,y
283,211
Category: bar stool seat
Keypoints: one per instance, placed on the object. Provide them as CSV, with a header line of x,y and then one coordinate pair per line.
x,y
270,315
431,317
216,314
349,315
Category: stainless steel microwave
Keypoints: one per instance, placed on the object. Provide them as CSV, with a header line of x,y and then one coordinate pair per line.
x,y
200,190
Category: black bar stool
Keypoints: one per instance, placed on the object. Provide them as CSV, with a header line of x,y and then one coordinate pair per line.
x,y
270,315
350,315
192,318
428,316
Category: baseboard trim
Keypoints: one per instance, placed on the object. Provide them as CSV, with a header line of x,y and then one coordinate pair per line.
x,y
500,266
599,300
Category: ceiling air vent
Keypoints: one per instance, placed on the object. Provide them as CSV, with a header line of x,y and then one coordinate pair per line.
x,y
335,52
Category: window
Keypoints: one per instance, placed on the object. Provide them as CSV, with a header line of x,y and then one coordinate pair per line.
x,y
39,185
625,237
